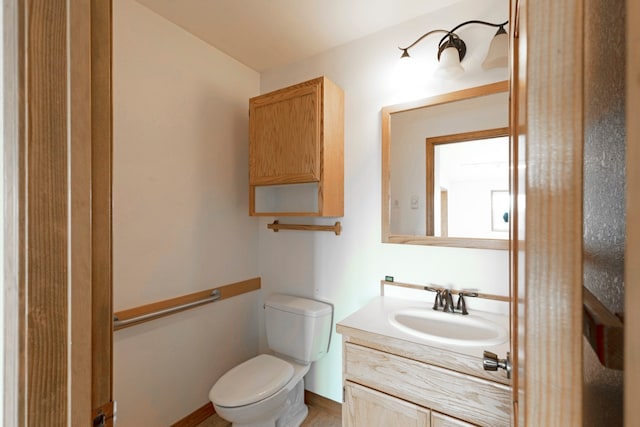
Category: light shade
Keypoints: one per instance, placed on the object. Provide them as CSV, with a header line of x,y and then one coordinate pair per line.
x,y
498,54
451,49
449,64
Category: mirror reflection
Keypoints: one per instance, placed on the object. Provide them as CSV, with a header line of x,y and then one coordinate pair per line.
x,y
446,170
465,174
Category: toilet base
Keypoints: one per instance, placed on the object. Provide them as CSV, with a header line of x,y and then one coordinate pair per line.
x,y
296,410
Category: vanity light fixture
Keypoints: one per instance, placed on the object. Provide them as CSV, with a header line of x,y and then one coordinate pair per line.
x,y
452,49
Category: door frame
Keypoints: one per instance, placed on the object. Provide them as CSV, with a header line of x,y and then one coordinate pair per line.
x,y
57,116
101,189
553,117
549,289
632,250
548,255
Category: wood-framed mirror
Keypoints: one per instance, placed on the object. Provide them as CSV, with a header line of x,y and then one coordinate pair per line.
x,y
445,169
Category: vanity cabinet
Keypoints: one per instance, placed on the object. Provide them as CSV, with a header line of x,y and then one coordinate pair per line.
x,y
296,161
368,407
384,382
441,420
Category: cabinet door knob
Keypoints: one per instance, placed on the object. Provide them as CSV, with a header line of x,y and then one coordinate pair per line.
x,y
491,362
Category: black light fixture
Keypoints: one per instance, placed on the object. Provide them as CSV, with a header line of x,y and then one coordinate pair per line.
x,y
452,49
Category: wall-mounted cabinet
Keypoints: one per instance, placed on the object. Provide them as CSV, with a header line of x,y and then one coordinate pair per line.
x,y
296,161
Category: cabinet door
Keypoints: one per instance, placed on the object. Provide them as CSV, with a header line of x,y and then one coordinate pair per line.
x,y
285,135
441,420
364,407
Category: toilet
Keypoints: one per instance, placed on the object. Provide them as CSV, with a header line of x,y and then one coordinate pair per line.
x,y
268,390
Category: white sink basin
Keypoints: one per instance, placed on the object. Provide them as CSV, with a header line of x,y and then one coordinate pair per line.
x,y
448,328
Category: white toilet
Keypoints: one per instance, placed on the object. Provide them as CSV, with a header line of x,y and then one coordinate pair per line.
x,y
268,390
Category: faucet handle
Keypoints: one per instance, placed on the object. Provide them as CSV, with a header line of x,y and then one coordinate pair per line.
x,y
468,294
438,300
461,304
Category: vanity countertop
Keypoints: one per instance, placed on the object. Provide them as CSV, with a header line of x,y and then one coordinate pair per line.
x,y
370,326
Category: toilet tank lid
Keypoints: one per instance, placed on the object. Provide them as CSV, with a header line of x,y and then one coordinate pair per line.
x,y
298,305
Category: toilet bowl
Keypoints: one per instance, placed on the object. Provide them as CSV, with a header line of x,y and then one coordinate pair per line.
x,y
259,391
268,390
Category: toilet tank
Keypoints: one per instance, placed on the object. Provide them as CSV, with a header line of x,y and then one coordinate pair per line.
x,y
298,327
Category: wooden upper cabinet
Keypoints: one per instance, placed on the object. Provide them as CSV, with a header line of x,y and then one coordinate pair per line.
x,y
296,136
285,135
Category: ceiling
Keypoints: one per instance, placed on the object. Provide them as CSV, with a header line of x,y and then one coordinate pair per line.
x,y
265,34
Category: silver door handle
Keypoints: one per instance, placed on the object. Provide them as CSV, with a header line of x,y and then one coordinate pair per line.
x,y
491,362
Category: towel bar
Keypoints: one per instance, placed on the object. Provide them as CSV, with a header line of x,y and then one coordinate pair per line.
x,y
336,228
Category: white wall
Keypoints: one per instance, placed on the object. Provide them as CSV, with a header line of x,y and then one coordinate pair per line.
x,y
346,269
180,218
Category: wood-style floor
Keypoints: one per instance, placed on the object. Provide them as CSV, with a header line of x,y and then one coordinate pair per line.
x,y
318,417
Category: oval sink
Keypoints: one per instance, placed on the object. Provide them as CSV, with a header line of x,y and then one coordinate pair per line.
x,y
448,328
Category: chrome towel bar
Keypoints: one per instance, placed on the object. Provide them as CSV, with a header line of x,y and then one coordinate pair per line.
x,y
117,323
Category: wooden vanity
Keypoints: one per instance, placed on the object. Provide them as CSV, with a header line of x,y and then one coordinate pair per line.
x,y
391,378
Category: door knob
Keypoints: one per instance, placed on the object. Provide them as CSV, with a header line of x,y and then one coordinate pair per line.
x,y
491,362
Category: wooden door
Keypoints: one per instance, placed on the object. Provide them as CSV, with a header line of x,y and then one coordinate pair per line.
x,y
366,407
547,87
550,108
58,261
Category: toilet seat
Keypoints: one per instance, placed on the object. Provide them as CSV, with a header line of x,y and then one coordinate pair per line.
x,y
251,381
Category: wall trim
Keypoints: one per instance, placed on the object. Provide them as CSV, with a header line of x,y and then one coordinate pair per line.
x,y
327,405
196,417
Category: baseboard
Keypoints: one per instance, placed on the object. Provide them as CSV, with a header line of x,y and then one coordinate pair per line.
x,y
330,406
196,417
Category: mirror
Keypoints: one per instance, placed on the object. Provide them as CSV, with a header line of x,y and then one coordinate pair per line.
x,y
445,169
